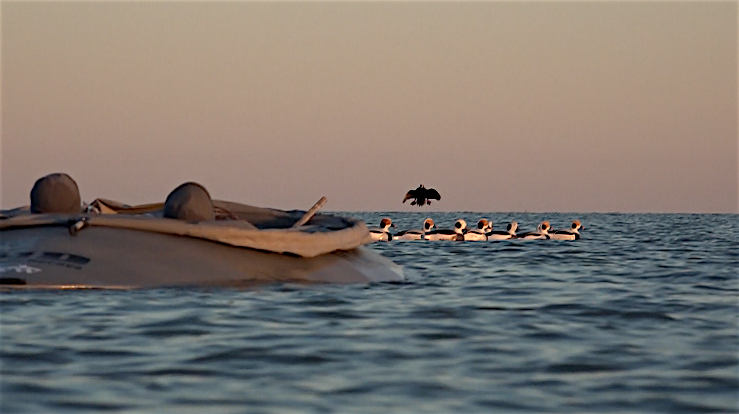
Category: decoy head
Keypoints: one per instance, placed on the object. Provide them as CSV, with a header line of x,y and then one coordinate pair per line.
x,y
428,224
544,226
512,227
484,225
460,226
576,225
386,223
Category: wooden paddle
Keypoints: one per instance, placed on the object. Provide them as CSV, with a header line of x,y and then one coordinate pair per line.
x,y
310,213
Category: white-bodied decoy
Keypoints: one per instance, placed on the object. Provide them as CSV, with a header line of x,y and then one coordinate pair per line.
x,y
383,232
573,233
415,234
509,233
541,233
457,233
484,226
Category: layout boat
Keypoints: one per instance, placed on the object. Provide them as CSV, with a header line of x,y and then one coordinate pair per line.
x,y
112,245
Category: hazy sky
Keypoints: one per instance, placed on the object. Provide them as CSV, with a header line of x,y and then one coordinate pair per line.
x,y
501,106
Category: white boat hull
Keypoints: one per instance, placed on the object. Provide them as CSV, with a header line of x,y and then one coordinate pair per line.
x,y
106,257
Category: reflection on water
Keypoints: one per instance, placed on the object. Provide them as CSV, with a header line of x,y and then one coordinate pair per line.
x,y
639,315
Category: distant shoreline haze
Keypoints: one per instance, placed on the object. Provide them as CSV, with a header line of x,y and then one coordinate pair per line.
x,y
501,106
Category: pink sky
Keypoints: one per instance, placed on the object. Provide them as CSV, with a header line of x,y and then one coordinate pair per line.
x,y
501,106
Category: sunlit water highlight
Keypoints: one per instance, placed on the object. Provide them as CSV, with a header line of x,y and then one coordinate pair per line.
x,y
640,315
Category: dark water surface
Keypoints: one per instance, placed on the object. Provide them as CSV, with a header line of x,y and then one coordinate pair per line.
x,y
640,315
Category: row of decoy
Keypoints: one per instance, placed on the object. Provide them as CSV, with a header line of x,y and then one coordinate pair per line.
x,y
483,232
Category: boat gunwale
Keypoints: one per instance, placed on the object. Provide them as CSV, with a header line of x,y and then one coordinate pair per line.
x,y
302,241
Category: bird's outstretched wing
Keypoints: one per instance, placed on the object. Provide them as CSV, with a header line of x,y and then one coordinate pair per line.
x,y
409,195
432,194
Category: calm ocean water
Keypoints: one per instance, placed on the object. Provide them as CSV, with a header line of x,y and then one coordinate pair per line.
x,y
640,315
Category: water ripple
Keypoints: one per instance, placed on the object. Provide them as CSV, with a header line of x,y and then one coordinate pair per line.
x,y
634,317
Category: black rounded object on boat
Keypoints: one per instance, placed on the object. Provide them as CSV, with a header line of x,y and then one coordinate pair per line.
x,y
189,202
55,193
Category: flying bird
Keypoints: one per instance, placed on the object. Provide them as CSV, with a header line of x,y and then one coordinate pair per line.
x,y
421,196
